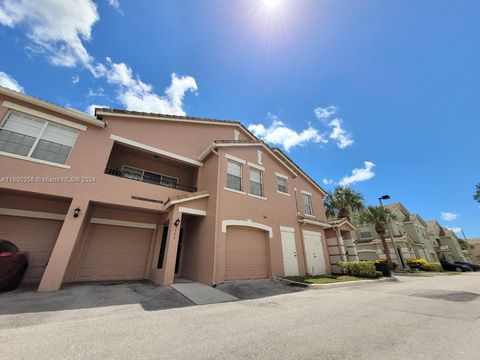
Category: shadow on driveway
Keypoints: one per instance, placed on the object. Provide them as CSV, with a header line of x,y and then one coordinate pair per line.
x,y
94,295
254,289
150,296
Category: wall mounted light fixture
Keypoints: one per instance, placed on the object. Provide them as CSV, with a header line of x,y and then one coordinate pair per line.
x,y
177,222
76,212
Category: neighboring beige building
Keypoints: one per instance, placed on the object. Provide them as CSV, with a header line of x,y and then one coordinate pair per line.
x,y
410,235
127,195
448,247
475,251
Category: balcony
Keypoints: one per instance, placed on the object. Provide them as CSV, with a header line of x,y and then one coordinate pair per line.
x,y
134,164
150,178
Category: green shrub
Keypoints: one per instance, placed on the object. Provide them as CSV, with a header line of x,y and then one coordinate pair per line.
x,y
424,265
364,269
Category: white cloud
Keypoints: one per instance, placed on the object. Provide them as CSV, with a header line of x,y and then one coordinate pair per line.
x,y
9,82
448,216
56,28
91,109
75,79
359,174
279,134
324,113
116,5
341,137
328,181
136,95
455,229
96,93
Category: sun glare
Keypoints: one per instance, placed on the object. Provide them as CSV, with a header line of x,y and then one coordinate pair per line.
x,y
272,3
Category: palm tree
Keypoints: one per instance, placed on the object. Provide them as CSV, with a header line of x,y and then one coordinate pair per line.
x,y
343,202
379,216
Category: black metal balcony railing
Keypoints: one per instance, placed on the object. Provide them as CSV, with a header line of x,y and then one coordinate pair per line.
x,y
156,180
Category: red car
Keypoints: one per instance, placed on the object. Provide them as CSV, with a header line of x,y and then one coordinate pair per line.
x,y
13,265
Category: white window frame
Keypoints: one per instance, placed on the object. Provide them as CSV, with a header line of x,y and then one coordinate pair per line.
x,y
29,157
309,196
234,160
262,187
286,185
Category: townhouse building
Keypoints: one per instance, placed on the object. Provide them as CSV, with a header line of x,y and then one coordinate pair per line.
x,y
126,195
409,233
448,247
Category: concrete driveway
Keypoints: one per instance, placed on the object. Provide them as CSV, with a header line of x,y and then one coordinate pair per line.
x,y
415,318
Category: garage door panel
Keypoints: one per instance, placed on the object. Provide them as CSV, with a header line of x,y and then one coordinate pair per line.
x,y
36,236
115,253
246,254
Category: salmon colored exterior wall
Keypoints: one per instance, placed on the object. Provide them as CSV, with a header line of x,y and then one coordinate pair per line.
x,y
203,253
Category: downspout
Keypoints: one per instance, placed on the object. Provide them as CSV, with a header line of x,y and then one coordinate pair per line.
x,y
214,271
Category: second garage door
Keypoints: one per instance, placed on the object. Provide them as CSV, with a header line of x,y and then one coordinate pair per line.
x,y
115,253
246,254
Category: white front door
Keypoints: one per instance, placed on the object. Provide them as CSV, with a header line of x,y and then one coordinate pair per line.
x,y
314,253
289,249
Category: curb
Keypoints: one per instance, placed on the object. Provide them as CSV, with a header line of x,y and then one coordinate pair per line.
x,y
337,285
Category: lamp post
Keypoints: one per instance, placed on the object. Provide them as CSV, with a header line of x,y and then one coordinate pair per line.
x,y
397,254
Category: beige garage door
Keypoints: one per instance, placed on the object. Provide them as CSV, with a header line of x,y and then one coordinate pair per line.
x,y
246,254
115,253
37,236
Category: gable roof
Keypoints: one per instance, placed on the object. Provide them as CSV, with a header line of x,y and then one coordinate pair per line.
x,y
431,224
308,178
398,206
76,114
226,143
279,154
414,217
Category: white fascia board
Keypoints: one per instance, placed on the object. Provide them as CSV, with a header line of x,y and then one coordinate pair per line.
x,y
155,150
191,211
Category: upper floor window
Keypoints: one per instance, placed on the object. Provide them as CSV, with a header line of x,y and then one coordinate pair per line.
x,y
32,137
282,184
366,234
234,175
307,204
256,182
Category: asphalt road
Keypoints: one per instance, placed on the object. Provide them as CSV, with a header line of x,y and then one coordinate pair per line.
x,y
415,318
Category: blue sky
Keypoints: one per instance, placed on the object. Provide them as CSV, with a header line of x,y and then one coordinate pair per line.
x,y
380,95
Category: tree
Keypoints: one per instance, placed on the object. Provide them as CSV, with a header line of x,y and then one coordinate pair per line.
x,y
477,193
379,216
343,202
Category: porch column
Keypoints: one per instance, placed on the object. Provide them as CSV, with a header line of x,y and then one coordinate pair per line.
x,y
60,257
171,247
341,246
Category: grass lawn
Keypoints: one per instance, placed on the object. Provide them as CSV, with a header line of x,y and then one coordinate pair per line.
x,y
322,279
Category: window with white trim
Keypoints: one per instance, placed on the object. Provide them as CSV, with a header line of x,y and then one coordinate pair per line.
x,y
32,137
234,175
282,185
307,204
256,181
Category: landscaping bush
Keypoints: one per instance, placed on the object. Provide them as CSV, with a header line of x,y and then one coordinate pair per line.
x,y
424,265
365,269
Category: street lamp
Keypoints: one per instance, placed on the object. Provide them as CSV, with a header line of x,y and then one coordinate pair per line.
x,y
397,254
384,197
